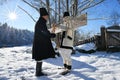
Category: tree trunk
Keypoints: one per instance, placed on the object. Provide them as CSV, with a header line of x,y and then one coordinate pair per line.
x,y
48,8
58,35
76,7
59,9
55,10
67,5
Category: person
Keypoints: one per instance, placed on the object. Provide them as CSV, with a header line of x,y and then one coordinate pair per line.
x,y
42,46
66,45
70,24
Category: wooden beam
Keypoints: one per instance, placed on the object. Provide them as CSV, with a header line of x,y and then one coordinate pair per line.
x,y
116,37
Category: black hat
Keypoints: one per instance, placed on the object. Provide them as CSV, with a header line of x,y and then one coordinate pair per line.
x,y
43,12
66,14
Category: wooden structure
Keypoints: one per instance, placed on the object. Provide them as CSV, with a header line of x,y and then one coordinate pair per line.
x,y
110,37
92,39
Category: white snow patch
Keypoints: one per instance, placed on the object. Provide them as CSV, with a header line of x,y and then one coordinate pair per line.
x,y
16,64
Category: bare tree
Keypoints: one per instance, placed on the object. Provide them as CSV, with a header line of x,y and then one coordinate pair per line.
x,y
75,7
57,7
78,6
86,4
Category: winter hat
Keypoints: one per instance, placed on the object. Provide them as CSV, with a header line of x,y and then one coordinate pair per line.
x,y
43,12
66,14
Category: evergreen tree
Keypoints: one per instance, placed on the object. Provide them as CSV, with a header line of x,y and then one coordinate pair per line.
x,y
10,36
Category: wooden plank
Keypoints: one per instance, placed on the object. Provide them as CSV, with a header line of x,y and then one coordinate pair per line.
x,y
115,37
103,38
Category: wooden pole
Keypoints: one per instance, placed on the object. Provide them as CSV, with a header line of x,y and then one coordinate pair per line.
x,y
103,38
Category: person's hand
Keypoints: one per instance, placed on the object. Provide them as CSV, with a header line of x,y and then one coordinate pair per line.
x,y
53,28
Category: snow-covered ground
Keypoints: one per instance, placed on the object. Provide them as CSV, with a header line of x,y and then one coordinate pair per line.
x,y
16,64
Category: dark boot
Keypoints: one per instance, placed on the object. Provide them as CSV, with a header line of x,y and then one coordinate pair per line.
x,y
39,69
69,67
57,52
65,66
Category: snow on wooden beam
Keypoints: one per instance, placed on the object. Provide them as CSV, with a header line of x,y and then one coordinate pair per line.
x,y
113,30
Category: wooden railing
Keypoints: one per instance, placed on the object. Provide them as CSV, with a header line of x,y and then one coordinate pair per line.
x,y
92,39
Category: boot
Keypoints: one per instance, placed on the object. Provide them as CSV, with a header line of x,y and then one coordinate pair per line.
x,y
39,69
65,66
57,52
69,67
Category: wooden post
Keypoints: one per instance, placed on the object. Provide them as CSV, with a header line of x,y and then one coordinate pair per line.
x,y
106,39
103,38
97,42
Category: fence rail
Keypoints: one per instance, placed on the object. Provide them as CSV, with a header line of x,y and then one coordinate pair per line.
x,y
92,39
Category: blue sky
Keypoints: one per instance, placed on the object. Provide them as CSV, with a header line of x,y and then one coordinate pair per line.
x,y
23,21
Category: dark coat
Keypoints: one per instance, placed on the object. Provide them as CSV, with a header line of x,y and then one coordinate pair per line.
x,y
42,46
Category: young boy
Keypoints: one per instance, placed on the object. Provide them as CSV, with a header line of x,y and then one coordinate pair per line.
x,y
70,24
66,45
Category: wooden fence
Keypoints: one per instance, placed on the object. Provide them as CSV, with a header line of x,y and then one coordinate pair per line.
x,y
110,37
92,39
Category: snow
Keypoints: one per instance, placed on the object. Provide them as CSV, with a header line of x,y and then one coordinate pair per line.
x,y
113,30
16,64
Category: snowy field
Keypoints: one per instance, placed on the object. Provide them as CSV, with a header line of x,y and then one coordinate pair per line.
x,y
16,64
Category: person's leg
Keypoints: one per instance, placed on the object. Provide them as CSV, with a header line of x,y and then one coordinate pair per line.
x,y
39,69
68,64
68,58
63,55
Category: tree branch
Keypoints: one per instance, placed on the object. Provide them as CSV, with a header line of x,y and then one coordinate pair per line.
x,y
83,3
89,5
63,3
27,13
31,5
52,9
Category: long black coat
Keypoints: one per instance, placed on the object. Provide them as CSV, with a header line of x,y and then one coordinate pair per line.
x,y
42,46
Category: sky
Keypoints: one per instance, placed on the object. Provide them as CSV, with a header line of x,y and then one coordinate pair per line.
x,y
23,21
